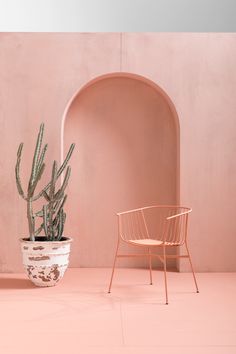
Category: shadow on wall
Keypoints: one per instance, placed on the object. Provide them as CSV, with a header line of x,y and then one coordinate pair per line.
x,y
126,132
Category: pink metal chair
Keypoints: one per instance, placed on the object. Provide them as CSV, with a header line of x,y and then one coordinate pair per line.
x,y
162,226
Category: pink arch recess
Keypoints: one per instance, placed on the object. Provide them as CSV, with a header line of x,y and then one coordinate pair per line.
x,y
134,77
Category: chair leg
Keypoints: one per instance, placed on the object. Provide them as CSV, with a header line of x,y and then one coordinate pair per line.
x,y
113,269
150,265
194,277
164,261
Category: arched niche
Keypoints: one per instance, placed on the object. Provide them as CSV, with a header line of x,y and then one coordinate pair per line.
x,y
126,132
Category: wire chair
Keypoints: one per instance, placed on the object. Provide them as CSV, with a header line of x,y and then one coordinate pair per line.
x,y
162,226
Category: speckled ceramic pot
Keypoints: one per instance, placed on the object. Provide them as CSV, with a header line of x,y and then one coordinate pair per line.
x,y
45,262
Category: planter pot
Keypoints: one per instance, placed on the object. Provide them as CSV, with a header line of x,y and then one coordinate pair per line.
x,y
45,262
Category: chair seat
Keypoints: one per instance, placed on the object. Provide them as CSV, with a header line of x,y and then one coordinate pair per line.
x,y
146,242
151,242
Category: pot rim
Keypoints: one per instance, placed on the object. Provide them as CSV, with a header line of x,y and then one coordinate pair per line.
x,y
68,240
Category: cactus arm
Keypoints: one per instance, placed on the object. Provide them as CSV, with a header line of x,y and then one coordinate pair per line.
x,y
40,194
37,232
53,181
56,205
33,224
31,221
36,173
19,151
63,224
51,194
57,222
17,172
45,225
41,158
59,172
68,156
62,203
55,226
64,184
59,204
37,179
46,196
39,213
60,225
36,156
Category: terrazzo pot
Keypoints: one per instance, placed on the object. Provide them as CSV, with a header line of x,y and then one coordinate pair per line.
x,y
45,262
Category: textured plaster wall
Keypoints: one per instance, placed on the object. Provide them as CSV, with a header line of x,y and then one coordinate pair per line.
x,y
40,72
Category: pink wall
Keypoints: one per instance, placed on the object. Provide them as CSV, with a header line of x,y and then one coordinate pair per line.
x,y
41,72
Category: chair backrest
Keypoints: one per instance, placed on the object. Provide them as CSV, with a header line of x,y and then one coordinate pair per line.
x,y
167,223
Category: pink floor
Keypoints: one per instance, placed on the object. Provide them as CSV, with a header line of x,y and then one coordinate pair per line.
x,y
78,316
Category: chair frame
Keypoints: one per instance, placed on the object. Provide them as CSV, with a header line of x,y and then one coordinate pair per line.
x,y
163,256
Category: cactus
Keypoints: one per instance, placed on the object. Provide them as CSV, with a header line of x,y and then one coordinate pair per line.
x,y
52,214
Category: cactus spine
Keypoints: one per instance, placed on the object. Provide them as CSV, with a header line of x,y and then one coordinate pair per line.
x,y
52,214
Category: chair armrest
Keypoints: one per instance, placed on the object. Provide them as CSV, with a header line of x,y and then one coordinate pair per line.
x,y
177,215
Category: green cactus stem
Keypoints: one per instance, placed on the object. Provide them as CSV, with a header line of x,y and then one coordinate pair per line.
x,y
52,215
59,172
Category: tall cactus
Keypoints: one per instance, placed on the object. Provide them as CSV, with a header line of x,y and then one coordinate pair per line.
x,y
52,214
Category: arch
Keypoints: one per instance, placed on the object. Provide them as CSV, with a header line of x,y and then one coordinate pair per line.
x,y
111,75
151,115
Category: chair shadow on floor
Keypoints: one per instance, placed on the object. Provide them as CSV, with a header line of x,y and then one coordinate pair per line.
x,y
16,283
